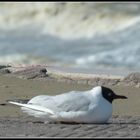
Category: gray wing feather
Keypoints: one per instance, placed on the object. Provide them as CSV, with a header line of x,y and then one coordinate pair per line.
x,y
71,101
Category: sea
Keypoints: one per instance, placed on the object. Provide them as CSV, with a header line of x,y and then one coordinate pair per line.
x,y
88,37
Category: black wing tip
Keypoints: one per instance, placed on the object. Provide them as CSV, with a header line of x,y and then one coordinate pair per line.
x,y
23,101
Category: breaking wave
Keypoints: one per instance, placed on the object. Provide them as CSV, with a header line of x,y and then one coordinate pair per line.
x,y
69,20
73,34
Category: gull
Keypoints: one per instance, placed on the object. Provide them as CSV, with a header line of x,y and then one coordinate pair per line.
x,y
90,106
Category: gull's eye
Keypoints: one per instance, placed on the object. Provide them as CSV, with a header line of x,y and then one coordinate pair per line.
x,y
109,94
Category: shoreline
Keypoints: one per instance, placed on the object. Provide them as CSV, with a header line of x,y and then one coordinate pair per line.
x,y
53,73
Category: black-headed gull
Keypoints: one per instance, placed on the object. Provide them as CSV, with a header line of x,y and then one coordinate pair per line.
x,y
91,106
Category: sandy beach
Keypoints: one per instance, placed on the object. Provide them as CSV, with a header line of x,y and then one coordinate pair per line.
x,y
27,82
53,48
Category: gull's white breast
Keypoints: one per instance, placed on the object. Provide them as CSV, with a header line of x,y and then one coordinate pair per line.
x,y
101,112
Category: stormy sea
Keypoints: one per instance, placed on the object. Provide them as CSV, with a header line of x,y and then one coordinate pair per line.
x,y
81,36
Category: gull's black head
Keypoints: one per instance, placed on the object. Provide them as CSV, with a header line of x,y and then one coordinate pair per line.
x,y
109,95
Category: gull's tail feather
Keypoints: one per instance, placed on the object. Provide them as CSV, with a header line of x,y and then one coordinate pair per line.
x,y
34,107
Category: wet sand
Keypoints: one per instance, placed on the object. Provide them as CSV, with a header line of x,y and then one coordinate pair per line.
x,y
16,88
29,81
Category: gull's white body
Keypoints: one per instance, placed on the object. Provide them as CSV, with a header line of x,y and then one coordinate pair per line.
x,y
75,106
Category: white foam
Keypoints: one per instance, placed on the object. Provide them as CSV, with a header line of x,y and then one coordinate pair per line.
x,y
17,58
122,57
68,21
